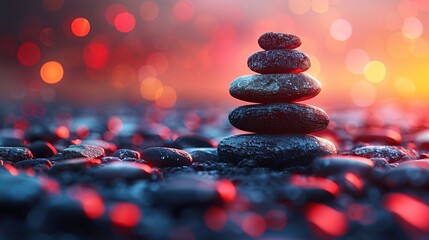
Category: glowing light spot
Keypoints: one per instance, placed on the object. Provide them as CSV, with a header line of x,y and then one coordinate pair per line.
x,y
51,72
114,124
165,97
11,169
356,59
95,55
399,46
276,220
355,180
341,29
123,75
125,215
149,88
404,86
412,28
327,220
28,54
49,185
62,132
53,5
315,66
315,182
144,167
299,6
112,11
409,209
375,71
91,202
149,10
363,94
226,190
124,22
80,27
320,6
215,218
183,10
253,225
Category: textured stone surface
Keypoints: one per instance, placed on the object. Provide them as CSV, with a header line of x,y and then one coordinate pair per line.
x,y
274,40
82,151
390,153
15,154
329,165
166,157
279,61
278,118
274,151
269,88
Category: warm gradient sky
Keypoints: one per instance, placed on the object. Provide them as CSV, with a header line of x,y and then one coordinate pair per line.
x,y
165,51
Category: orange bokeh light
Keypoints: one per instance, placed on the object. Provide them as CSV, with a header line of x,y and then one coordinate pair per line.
x,y
124,22
165,97
51,72
125,215
28,54
80,27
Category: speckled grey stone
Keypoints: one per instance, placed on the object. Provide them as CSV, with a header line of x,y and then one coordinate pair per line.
x,y
278,118
390,153
82,151
274,40
274,151
278,61
269,88
15,154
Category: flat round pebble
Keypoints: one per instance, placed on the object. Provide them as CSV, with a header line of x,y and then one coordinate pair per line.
x,y
123,171
278,118
166,157
126,153
82,151
275,40
302,189
269,88
278,61
390,153
274,151
15,154
335,164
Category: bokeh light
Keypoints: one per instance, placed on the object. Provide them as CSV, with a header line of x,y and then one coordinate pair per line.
x,y
149,10
165,97
51,72
28,54
341,29
412,28
183,10
80,27
124,22
53,5
299,6
95,55
149,88
356,60
404,86
375,71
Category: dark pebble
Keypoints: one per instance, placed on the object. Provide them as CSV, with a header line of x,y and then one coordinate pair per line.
x,y
77,164
379,136
390,153
269,88
202,155
406,176
330,165
274,151
274,40
34,163
19,192
380,163
192,141
166,157
278,118
278,61
82,151
42,149
15,154
126,153
110,159
123,171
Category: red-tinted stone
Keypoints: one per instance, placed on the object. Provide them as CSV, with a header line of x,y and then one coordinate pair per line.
x,y
274,40
278,61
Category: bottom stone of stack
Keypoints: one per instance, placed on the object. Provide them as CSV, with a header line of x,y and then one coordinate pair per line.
x,y
274,151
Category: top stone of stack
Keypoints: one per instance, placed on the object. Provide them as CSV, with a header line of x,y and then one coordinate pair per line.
x,y
273,41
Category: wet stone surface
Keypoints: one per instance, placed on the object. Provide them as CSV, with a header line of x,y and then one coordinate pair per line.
x,y
278,61
166,157
274,40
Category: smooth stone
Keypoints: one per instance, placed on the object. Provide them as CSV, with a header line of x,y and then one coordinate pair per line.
x,y
108,147
42,149
406,176
274,151
278,61
301,189
166,157
330,165
15,154
123,171
82,151
275,40
191,141
390,153
378,135
202,155
126,153
278,118
77,164
45,163
270,88
19,192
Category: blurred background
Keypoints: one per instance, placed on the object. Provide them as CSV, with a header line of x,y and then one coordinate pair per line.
x,y
177,51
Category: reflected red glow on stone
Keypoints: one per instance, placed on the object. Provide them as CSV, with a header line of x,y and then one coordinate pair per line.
x,y
215,218
226,190
125,215
114,124
95,55
82,131
92,203
183,10
362,213
144,167
11,169
49,185
124,22
158,61
62,132
253,225
80,27
112,11
355,180
326,220
28,54
315,182
411,210
276,220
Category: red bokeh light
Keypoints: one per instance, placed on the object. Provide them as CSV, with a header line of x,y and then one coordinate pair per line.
x,y
92,203
276,219
112,11
124,22
215,218
326,220
226,190
355,180
95,55
80,27
183,10
62,132
253,225
28,54
125,215
47,36
148,10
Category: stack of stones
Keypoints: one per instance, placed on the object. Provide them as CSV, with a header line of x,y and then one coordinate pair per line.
x,y
281,125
